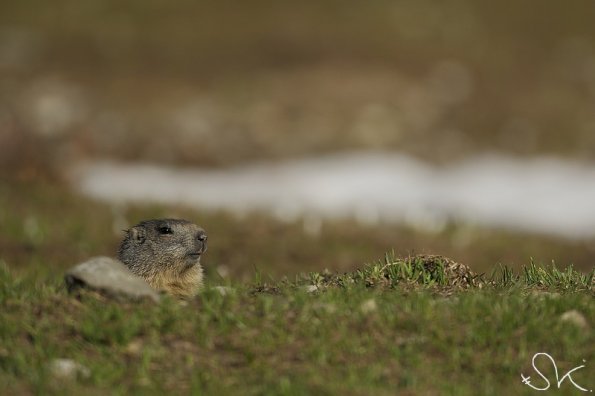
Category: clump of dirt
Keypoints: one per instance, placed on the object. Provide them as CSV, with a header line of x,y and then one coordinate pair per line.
x,y
422,270
456,274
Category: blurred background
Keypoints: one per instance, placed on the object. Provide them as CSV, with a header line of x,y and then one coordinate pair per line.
x,y
216,86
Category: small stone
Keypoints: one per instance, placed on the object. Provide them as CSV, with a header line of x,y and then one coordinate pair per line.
x,y
134,348
110,277
223,290
368,306
544,295
310,288
68,369
576,318
328,308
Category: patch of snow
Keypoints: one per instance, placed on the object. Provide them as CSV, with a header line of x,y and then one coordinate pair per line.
x,y
544,195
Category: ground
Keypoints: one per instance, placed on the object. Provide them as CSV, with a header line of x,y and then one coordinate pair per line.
x,y
396,326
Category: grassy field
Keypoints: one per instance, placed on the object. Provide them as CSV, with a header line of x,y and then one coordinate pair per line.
x,y
392,327
286,326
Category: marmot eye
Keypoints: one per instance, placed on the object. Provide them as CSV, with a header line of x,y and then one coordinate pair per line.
x,y
165,230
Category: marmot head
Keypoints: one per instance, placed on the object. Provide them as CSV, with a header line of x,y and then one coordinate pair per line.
x,y
154,246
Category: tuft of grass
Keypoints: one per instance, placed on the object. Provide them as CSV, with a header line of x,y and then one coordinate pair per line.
x,y
425,270
536,276
431,271
422,270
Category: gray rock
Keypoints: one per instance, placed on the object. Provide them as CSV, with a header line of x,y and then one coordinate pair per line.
x,y
310,288
67,369
110,277
224,290
368,306
576,318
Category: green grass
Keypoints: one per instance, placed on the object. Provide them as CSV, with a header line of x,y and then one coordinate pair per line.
x,y
437,271
406,324
385,329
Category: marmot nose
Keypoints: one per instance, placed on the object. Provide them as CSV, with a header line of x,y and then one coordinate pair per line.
x,y
202,237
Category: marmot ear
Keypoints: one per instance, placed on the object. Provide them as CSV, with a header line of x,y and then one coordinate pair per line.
x,y
137,234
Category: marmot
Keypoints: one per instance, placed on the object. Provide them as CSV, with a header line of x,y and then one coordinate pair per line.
x,y
166,253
